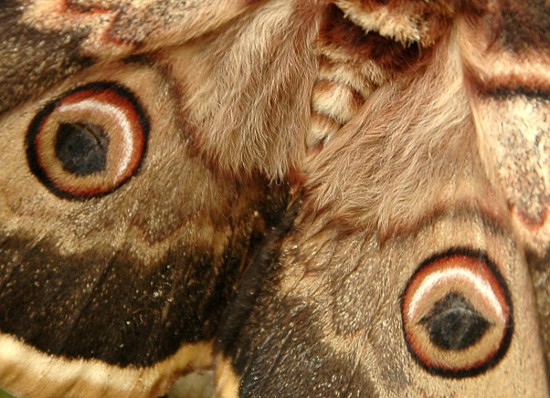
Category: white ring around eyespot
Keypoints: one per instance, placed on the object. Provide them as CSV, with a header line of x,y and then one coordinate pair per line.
x,y
431,281
121,118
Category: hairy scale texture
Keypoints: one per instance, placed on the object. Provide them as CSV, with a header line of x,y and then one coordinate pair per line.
x,y
245,195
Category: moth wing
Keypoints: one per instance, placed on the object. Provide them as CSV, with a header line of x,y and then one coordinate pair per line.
x,y
506,58
135,182
407,193
48,41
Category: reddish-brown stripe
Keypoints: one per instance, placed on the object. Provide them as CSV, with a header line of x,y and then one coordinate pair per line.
x,y
339,33
326,86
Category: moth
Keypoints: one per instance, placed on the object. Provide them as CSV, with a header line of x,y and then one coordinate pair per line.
x,y
305,198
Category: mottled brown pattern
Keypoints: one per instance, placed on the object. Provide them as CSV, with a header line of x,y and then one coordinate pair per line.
x,y
405,21
33,60
288,250
342,35
508,74
115,307
525,28
134,278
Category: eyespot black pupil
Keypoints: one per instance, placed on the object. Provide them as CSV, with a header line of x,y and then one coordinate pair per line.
x,y
453,324
81,148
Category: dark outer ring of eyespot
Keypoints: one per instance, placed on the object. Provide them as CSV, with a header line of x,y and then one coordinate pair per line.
x,y
492,360
35,127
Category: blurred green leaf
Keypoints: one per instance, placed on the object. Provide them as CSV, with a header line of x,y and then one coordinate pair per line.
x,y
4,394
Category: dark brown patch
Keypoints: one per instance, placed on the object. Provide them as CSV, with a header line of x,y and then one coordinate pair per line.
x,y
34,60
430,19
509,89
414,7
280,353
110,305
104,306
275,344
510,86
84,7
340,33
525,25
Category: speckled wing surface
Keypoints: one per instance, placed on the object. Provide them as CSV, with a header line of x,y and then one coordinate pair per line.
x,y
124,224
409,268
309,198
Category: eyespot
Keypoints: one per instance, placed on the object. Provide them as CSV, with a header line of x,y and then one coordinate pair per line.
x,y
457,314
89,141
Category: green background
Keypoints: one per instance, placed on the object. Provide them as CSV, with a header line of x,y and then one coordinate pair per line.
x,y
4,394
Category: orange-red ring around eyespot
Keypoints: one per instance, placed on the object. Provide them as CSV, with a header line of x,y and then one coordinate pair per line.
x,y
470,258
108,92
